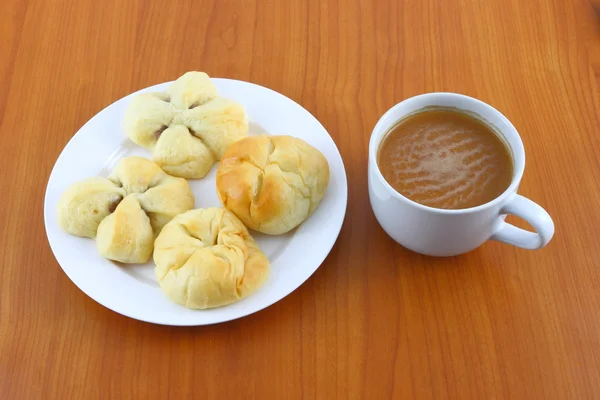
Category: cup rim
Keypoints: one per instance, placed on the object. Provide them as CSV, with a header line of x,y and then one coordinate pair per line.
x,y
477,104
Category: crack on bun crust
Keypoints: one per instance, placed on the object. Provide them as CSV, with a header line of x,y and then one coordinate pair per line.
x,y
159,132
113,205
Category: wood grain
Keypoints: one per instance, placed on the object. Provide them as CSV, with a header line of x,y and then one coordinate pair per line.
x,y
375,321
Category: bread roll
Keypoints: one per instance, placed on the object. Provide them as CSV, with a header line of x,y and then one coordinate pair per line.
x,y
125,212
206,258
188,127
272,183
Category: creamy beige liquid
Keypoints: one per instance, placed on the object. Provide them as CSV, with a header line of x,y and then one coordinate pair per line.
x,y
445,159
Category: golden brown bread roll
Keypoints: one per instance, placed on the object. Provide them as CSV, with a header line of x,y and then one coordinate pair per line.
x,y
125,212
206,258
272,183
188,127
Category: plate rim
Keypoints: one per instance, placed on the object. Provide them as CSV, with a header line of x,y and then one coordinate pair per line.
x,y
217,320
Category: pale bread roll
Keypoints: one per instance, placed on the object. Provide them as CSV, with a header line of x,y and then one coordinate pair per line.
x,y
206,258
188,127
125,212
272,183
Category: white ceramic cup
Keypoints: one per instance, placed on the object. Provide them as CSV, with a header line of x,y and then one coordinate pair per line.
x,y
441,232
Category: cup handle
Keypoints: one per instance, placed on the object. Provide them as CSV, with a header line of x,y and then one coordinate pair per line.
x,y
535,215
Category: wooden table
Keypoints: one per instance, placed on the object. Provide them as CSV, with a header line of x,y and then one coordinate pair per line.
x,y
375,321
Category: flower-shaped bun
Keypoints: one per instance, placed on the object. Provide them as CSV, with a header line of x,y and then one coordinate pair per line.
x,y
125,212
206,258
188,127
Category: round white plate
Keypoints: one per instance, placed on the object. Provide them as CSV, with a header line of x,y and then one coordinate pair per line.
x,y
132,290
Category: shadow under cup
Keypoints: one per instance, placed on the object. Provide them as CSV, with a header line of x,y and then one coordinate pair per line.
x,y
447,232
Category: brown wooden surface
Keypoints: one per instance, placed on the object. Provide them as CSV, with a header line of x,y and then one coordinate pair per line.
x,y
375,321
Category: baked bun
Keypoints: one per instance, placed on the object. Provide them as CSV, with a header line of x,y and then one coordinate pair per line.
x,y
125,212
188,127
206,258
272,183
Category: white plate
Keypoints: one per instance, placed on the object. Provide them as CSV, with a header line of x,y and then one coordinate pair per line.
x,y
132,290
